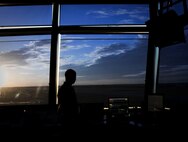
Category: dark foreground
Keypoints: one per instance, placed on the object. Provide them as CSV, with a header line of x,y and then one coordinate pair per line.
x,y
94,123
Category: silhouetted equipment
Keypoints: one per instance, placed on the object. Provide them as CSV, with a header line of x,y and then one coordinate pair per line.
x,y
118,106
168,29
155,103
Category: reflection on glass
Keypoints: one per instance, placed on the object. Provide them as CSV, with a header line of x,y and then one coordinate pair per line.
x,y
174,63
178,8
173,73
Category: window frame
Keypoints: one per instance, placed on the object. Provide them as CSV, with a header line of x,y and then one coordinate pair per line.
x,y
55,30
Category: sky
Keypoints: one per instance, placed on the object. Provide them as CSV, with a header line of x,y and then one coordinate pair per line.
x,y
97,59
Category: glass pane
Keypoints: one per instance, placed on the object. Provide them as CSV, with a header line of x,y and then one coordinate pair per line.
x,y
106,66
104,14
25,15
173,73
24,70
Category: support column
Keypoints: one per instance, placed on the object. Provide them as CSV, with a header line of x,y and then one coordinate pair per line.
x,y
54,57
153,54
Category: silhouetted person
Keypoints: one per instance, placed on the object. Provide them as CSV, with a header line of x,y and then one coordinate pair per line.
x,y
67,100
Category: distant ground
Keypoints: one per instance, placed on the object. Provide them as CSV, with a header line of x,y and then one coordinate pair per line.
x,y
174,94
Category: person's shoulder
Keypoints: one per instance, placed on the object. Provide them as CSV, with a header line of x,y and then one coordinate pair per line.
x,y
61,87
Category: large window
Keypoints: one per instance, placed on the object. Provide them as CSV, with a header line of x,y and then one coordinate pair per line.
x,y
106,66
173,73
24,69
27,70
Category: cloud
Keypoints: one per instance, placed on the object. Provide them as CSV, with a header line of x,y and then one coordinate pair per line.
x,y
131,62
98,54
66,47
173,70
93,56
99,13
120,11
66,60
15,57
139,74
111,50
127,21
34,52
171,74
115,48
38,43
109,62
132,14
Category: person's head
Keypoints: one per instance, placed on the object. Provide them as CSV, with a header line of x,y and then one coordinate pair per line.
x,y
70,76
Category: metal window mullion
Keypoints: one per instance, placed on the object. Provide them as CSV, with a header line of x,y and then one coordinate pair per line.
x,y
152,56
54,57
